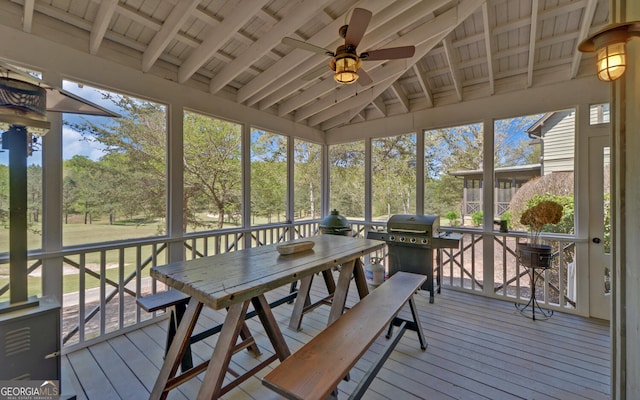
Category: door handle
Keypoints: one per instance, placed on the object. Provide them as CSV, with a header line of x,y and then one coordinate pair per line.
x,y
596,240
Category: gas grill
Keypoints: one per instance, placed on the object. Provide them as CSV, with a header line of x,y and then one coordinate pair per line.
x,y
411,240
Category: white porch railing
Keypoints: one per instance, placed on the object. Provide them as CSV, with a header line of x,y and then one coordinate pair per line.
x,y
464,268
102,281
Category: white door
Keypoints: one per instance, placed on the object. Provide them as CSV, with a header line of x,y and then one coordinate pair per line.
x,y
599,228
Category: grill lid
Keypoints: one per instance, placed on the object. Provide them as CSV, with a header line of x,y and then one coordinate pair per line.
x,y
418,224
335,223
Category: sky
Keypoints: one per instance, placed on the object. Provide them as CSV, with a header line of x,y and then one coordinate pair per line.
x,y
73,143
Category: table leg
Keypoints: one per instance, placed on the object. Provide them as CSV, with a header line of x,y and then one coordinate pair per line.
x,y
328,281
218,366
177,350
271,327
342,290
360,278
245,334
301,300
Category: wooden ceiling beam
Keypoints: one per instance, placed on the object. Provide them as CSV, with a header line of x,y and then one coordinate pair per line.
x,y
175,20
532,41
27,18
218,36
487,48
103,17
379,105
400,95
297,16
424,83
454,70
587,20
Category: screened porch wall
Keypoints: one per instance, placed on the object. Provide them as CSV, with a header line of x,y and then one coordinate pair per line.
x,y
64,62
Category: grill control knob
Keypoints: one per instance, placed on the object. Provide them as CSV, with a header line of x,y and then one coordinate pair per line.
x,y
412,240
392,238
424,241
402,239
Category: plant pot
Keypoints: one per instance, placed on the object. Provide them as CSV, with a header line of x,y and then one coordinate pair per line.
x,y
534,255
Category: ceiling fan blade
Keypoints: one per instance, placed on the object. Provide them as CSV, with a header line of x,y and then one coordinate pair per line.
x,y
357,26
388,53
306,46
364,78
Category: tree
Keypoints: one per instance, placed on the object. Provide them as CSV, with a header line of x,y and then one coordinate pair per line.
x,y
83,193
212,168
394,175
135,159
461,149
307,179
268,174
347,178
34,193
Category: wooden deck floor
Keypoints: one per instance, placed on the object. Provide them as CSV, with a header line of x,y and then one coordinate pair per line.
x,y
479,348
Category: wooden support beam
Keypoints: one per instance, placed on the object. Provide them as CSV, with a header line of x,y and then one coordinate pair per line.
x,y
178,16
532,41
101,23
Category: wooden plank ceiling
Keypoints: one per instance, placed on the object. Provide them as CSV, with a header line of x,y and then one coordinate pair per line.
x,y
465,49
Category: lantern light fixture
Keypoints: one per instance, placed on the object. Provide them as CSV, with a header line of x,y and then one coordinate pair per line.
x,y
610,47
346,68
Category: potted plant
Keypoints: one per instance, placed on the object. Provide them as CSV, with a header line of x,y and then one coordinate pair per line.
x,y
534,254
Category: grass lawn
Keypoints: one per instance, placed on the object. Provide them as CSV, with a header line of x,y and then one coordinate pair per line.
x,y
78,233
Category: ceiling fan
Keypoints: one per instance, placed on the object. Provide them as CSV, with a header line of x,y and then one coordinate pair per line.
x,y
345,61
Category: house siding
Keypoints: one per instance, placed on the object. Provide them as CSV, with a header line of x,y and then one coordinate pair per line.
x,y
559,142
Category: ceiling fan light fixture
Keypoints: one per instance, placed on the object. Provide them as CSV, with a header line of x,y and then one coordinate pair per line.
x,y
346,69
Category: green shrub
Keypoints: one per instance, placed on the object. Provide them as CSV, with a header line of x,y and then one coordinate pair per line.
x,y
476,218
453,218
566,222
506,217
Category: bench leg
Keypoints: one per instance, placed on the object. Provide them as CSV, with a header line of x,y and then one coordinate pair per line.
x,y
414,326
177,313
370,375
416,320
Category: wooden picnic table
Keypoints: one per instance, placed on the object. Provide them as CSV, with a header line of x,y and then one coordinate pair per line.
x,y
236,279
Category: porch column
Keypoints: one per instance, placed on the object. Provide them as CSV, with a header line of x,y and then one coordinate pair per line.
x,y
625,322
52,200
488,201
175,181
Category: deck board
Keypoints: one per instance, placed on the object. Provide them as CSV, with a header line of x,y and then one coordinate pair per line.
x,y
479,348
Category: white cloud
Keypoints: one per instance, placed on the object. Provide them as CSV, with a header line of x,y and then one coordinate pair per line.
x,y
73,143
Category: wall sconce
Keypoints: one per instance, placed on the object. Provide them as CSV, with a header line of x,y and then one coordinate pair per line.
x,y
610,47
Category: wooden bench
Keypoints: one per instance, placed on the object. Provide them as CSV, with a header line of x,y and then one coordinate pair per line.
x,y
177,302
314,371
